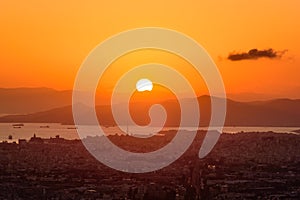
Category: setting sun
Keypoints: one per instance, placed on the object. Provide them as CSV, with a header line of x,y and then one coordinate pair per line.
x,y
150,100
144,85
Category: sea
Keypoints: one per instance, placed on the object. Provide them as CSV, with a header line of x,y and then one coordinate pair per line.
x,y
12,132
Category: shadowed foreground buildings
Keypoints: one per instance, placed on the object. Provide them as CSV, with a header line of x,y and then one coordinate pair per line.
x,y
241,166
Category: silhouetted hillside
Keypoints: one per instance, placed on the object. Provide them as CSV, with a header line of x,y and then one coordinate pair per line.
x,y
30,100
280,112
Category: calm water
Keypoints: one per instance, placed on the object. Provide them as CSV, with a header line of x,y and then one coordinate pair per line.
x,y
47,130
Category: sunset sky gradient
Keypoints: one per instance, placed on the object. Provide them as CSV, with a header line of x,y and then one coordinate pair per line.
x,y
43,43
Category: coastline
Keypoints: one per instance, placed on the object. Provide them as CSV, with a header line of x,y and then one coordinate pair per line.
x,y
240,166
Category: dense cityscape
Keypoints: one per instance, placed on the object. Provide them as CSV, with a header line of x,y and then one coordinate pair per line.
x,y
241,166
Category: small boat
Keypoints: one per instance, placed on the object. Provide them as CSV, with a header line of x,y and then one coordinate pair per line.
x,y
45,126
17,124
72,128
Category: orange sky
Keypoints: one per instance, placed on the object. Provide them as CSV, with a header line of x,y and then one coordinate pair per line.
x,y
43,44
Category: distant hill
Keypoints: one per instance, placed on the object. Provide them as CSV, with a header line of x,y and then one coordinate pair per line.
x,y
30,100
278,112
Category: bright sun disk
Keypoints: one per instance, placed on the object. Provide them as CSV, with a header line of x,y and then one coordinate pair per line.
x,y
144,85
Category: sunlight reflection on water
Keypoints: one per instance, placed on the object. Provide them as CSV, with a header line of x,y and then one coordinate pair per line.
x,y
47,130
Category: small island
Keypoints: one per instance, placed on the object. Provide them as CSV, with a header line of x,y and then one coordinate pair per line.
x,y
296,131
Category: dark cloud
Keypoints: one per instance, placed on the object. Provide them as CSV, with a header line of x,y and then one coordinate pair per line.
x,y
255,54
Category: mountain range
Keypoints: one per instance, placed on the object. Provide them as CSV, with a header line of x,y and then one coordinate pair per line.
x,y
30,100
51,106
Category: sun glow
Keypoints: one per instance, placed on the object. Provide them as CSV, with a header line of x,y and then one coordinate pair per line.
x,y
144,85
